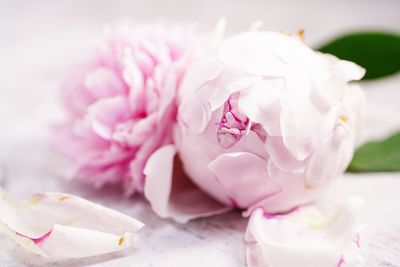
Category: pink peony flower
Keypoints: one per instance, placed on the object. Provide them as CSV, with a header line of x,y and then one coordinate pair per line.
x,y
121,103
264,122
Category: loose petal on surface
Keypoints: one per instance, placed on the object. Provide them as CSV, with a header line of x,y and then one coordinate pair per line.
x,y
63,226
171,193
306,237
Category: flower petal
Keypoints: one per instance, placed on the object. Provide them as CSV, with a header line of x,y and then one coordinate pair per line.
x,y
243,172
171,193
305,237
330,159
304,126
103,82
105,114
293,192
228,82
281,157
262,105
63,226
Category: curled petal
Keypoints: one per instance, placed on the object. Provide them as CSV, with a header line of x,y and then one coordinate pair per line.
x,y
308,236
63,226
170,191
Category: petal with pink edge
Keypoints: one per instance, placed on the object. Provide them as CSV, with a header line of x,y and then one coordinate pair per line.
x,y
171,193
308,236
62,226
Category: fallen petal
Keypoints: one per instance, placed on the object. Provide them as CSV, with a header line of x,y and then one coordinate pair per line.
x,y
305,237
63,226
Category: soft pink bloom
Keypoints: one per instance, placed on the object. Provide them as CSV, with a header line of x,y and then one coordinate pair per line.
x,y
264,121
121,103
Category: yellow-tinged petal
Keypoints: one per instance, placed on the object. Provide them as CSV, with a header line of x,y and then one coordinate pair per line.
x,y
307,236
63,226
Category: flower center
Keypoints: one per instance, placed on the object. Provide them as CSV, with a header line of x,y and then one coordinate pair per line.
x,y
234,124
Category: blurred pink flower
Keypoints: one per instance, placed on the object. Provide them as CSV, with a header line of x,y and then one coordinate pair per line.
x,y
121,103
264,121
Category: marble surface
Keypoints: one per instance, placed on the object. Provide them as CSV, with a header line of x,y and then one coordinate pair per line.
x,y
40,39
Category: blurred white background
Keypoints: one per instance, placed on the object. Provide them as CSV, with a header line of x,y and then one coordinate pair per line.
x,y
39,40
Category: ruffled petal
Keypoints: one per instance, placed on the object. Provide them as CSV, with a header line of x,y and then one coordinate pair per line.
x,y
105,114
305,237
171,193
63,226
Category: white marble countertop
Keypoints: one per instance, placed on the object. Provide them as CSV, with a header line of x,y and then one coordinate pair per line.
x,y
39,39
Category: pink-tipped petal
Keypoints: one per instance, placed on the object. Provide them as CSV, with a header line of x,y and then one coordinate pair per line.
x,y
63,226
305,237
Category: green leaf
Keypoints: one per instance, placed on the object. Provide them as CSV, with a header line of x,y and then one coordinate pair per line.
x,y
381,156
377,52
